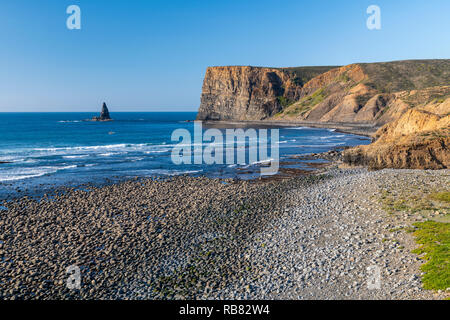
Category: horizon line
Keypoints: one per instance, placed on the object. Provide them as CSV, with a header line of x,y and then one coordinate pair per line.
x,y
134,111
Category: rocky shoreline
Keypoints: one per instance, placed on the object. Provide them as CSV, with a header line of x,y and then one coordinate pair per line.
x,y
304,237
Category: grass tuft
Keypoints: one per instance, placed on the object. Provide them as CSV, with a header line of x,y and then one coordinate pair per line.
x,y
434,238
441,196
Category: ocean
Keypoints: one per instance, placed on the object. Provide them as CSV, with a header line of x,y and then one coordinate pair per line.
x,y
43,151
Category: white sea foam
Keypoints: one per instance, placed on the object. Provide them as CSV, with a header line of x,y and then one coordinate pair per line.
x,y
152,172
259,162
297,128
333,137
12,159
185,172
157,151
321,145
102,150
111,146
26,173
76,156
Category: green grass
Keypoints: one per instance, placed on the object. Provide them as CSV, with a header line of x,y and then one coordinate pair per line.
x,y
433,235
441,196
304,105
284,102
316,98
412,202
434,238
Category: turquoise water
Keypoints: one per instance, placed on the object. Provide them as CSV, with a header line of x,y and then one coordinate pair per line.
x,y
44,150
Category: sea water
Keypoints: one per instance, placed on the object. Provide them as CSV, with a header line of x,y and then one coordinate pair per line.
x,y
41,151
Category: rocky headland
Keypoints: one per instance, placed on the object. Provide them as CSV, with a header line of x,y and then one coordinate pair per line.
x,y
358,98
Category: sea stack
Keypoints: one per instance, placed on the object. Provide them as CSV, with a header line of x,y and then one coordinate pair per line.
x,y
104,115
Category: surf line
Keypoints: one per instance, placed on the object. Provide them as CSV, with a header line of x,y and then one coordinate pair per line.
x,y
189,150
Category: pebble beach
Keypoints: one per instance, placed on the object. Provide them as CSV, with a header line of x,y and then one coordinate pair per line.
x,y
302,237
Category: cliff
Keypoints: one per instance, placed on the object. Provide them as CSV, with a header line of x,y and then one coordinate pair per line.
x,y
374,93
251,93
408,100
419,139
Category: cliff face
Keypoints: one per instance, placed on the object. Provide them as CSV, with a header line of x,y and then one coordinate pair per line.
x,y
419,139
409,100
245,93
375,93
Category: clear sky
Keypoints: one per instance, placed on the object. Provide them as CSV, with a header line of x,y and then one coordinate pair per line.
x,y
151,55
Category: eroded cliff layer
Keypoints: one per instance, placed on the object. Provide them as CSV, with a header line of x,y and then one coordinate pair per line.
x,y
419,139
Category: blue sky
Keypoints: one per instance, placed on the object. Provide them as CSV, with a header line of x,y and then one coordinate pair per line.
x,y
151,55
